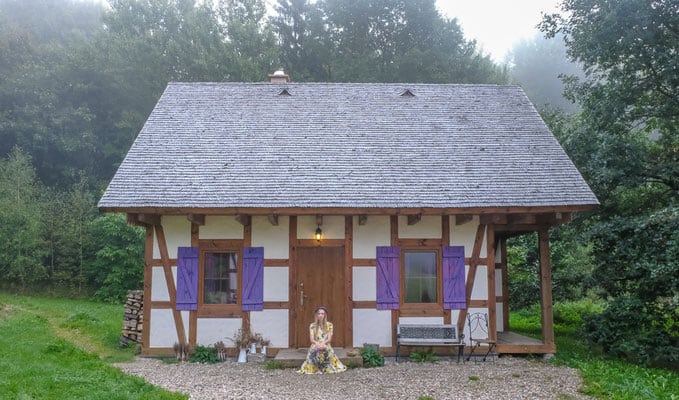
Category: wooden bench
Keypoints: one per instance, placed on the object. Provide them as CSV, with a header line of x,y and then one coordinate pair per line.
x,y
429,335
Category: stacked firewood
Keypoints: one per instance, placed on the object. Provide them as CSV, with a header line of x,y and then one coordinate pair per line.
x,y
133,320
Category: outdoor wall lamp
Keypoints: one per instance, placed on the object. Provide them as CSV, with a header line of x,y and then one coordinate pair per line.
x,y
318,234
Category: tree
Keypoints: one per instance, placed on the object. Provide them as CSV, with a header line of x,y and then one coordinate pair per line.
x,y
630,52
38,111
21,245
538,65
115,257
250,38
626,142
378,41
304,40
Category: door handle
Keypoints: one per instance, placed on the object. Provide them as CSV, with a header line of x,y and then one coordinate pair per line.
x,y
301,297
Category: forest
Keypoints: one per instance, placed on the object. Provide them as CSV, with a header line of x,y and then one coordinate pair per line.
x,y
79,78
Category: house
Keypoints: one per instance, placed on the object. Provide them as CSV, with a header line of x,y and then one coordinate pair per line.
x,y
386,203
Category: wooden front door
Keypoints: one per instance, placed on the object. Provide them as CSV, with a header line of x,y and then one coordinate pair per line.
x,y
320,282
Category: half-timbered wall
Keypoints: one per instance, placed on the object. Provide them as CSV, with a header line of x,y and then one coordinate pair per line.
x,y
165,326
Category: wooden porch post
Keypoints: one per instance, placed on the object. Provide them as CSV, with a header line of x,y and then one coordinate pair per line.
x,y
546,287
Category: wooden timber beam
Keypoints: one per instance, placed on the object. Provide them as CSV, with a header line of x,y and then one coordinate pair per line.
x,y
243,219
413,219
198,219
521,219
273,219
494,219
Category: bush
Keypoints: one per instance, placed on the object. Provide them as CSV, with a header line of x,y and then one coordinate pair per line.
x,y
371,358
646,333
204,354
423,355
574,313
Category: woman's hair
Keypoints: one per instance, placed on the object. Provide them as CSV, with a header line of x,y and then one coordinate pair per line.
x,y
323,325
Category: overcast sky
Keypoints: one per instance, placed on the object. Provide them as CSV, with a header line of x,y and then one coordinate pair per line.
x,y
497,24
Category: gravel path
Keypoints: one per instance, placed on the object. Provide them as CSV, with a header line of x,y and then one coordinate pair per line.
x,y
506,378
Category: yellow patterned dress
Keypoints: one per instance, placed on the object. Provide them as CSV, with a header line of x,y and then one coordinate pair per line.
x,y
321,361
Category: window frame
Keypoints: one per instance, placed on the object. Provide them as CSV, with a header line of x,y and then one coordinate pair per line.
x,y
220,246
420,308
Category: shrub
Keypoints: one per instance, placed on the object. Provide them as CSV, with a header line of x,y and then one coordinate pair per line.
x,y
641,332
371,358
204,354
423,355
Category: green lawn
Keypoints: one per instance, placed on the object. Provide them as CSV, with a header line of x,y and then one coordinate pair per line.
x,y
61,349
604,378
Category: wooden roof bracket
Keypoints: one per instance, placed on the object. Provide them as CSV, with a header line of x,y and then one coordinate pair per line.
x,y
198,219
143,220
462,219
273,219
243,219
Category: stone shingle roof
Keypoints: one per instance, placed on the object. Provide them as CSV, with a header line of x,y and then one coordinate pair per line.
x,y
309,145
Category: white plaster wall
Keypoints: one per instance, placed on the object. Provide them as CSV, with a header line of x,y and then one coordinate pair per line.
x,y
376,232
177,231
274,238
333,227
465,234
213,330
372,326
480,290
429,227
498,282
421,320
159,285
364,283
276,283
163,331
220,227
499,314
273,325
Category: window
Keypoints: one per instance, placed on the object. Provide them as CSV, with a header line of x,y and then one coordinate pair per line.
x,y
421,277
220,280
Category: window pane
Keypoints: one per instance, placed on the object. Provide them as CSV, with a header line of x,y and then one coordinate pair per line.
x,y
420,277
220,284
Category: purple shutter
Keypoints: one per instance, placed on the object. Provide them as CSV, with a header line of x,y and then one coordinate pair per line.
x,y
454,288
253,279
187,278
388,283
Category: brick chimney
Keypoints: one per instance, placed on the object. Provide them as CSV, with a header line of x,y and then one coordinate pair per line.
x,y
279,77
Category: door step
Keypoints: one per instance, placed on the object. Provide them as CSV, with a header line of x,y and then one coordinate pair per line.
x,y
293,358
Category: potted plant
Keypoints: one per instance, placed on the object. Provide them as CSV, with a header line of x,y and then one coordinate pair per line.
x,y
221,350
242,339
264,343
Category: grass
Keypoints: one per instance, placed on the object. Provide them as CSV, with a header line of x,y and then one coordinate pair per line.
x,y
604,378
61,349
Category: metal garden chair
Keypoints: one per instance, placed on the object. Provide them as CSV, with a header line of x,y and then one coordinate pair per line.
x,y
479,336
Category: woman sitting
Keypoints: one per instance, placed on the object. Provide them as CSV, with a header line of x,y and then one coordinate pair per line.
x,y
321,358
